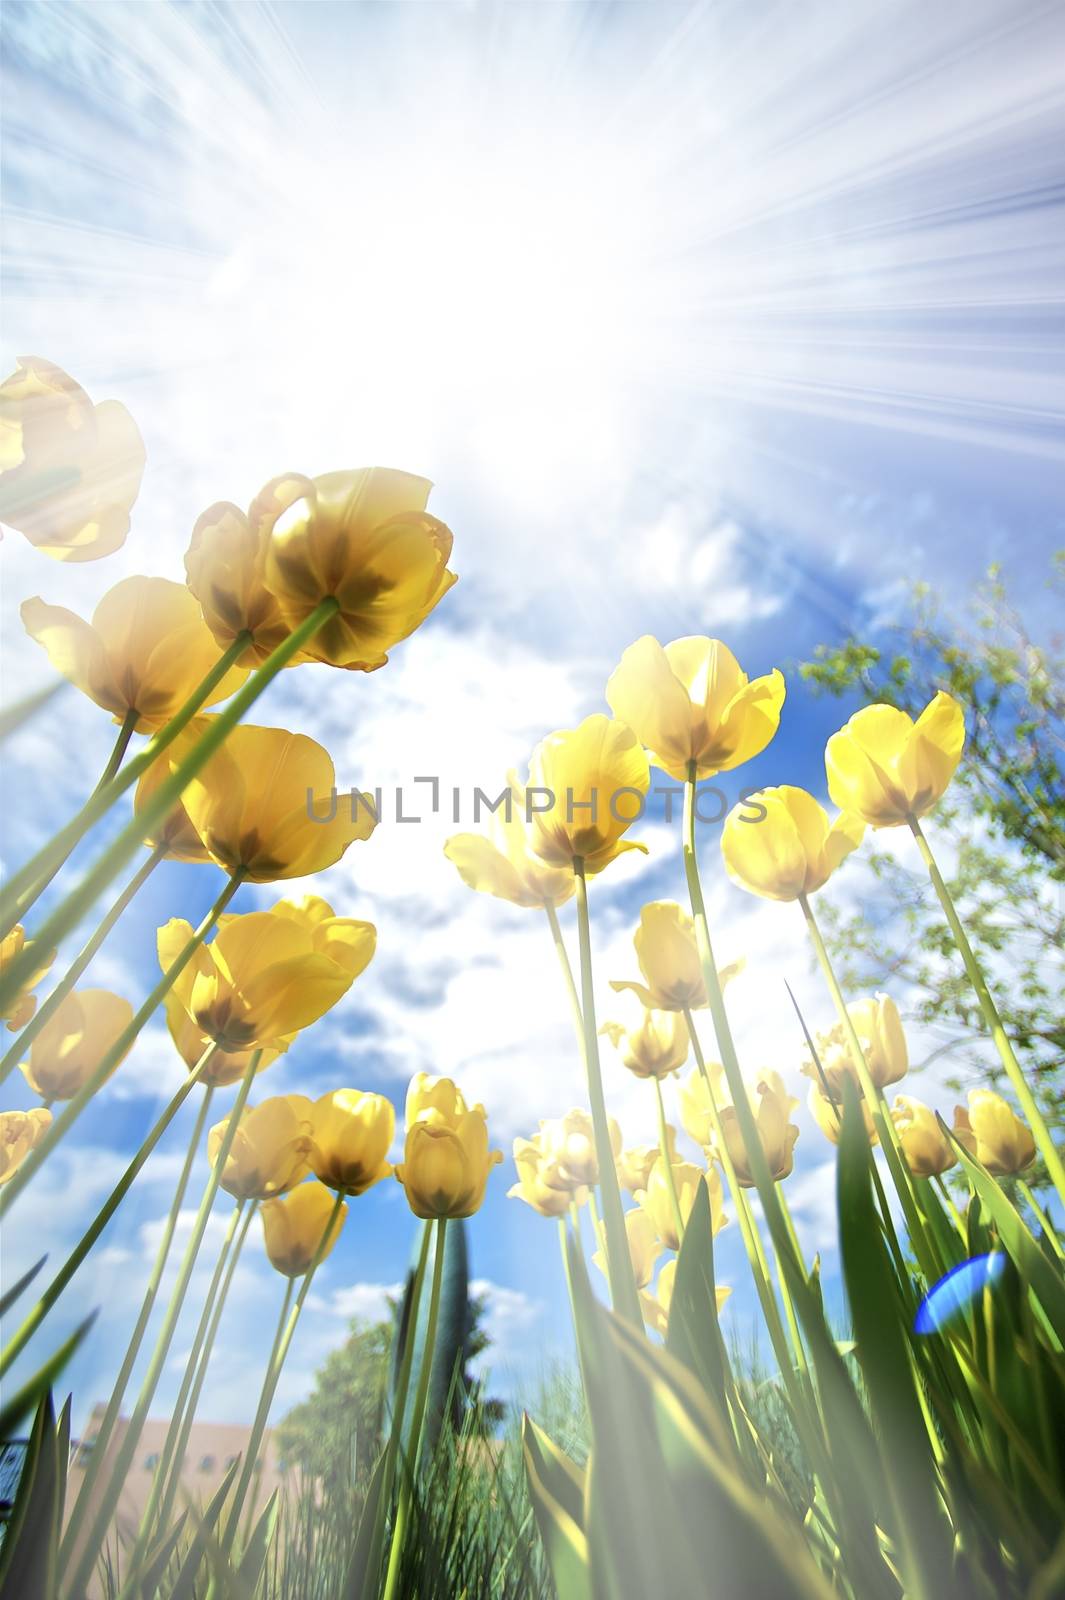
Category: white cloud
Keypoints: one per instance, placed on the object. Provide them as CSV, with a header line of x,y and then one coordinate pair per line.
x,y
369,1302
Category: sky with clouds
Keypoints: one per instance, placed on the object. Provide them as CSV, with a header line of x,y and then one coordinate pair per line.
x,y
719,319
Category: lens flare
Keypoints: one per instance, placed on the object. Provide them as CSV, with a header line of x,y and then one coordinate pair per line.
x,y
957,1290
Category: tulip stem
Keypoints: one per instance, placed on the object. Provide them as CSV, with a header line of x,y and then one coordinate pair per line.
x,y
286,1329
58,849
109,1499
1040,1132
10,1192
882,1121
417,1418
48,1299
169,1467
663,1147
567,970
619,1264
162,802
103,1434
950,1203
1041,1217
49,1006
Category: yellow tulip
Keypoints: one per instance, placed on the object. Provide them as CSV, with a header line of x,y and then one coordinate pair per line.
x,y
668,957
267,974
176,831
365,539
271,1149
695,1110
593,780
885,768
691,701
145,651
69,470
20,1131
927,1150
792,850
503,863
20,1008
993,1134
657,1046
255,804
569,1142
634,1165
772,1106
294,1227
644,1247
828,1114
225,1066
540,1182
657,1201
74,1040
352,1135
446,1159
880,1034
656,1306
226,569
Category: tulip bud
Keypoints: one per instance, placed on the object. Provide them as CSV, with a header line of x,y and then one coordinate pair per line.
x,y
789,851
644,1247
657,1201
270,1149
597,778
927,1150
668,958
352,1135
886,768
880,1034
993,1134
828,1114
634,1165
569,1142
20,1132
540,1182
656,1047
696,1111
772,1108
656,1307
446,1159
79,1033
20,1008
294,1228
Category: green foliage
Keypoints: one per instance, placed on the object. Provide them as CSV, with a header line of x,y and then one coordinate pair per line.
x,y
333,1435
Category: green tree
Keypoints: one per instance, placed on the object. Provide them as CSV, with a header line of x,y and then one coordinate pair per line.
x,y
1001,827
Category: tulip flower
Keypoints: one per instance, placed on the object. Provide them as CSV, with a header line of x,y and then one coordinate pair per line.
x,y
655,1047
267,974
593,780
260,805
225,1066
792,850
271,1149
74,1040
772,1106
644,1247
364,539
634,1165
879,1028
446,1159
503,862
695,1108
294,1228
692,702
19,1132
225,565
144,652
70,471
569,1141
541,1183
993,1134
656,1306
885,768
352,1134
20,1008
657,1202
927,1150
176,831
828,1114
668,958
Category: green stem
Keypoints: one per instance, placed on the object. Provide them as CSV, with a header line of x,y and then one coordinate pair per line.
x,y
151,1293
1040,1132
1041,1217
417,1418
103,797
273,1373
61,1126
882,1120
172,1454
50,1006
143,823
619,1265
567,970
951,1204
109,1499
48,1299
663,1146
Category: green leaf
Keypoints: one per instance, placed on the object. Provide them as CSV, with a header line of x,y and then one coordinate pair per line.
x,y
185,1587
31,1543
556,1489
31,1392
694,1334
8,1299
158,1559
363,1572
251,1562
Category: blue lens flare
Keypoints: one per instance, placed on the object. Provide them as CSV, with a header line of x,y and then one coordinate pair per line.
x,y
955,1292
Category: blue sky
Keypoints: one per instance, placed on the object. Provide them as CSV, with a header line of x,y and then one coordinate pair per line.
x,y
722,319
